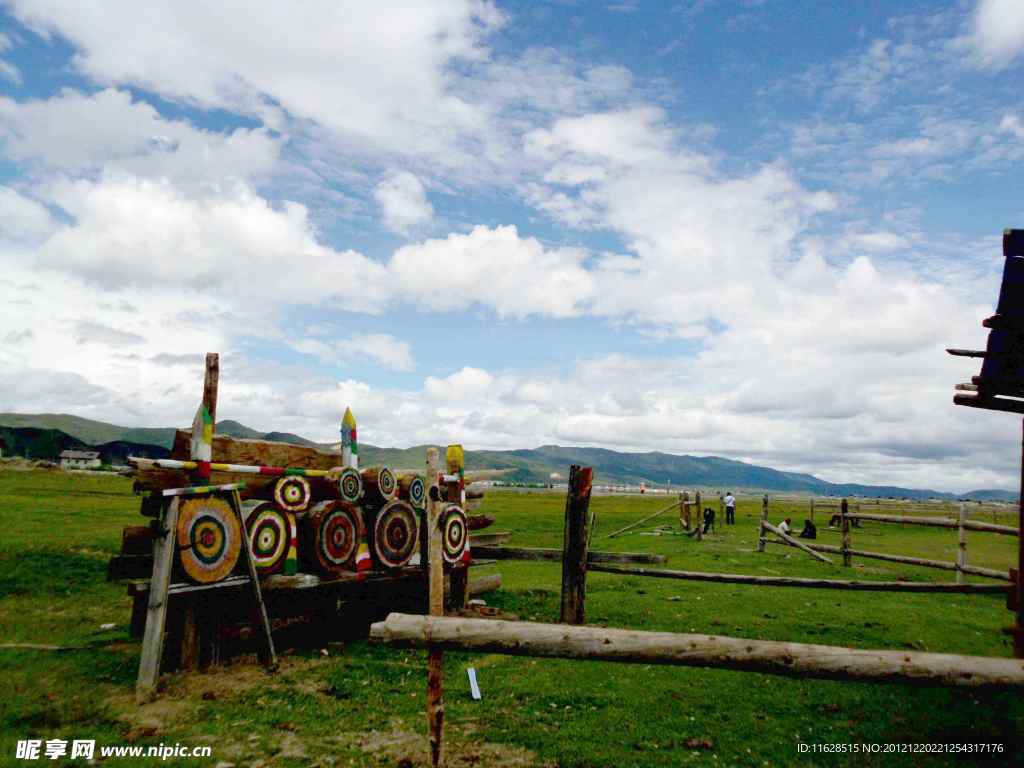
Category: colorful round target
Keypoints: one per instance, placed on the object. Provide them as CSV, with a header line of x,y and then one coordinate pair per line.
x,y
411,488
292,493
209,539
394,535
269,530
379,484
333,531
350,484
454,533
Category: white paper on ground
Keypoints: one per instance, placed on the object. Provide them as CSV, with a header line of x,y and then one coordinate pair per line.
x,y
474,689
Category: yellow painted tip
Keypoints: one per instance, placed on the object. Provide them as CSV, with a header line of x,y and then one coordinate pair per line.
x,y
455,458
348,420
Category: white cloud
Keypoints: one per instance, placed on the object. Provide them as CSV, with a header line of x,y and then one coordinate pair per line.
x,y
403,202
496,268
379,81
108,130
997,32
381,348
21,218
1012,125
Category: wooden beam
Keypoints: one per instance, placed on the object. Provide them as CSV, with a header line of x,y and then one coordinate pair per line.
x,y
479,585
643,520
803,660
936,522
164,547
575,545
794,543
555,555
1004,404
792,581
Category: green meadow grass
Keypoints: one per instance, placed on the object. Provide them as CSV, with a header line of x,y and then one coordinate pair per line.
x,y
363,704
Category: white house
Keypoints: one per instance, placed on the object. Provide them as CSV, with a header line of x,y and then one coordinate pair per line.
x,y
79,459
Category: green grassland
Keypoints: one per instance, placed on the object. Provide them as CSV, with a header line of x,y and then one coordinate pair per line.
x,y
363,705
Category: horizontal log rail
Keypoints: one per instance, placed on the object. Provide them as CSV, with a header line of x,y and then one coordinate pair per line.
x,y
804,660
555,555
944,565
792,581
787,539
936,522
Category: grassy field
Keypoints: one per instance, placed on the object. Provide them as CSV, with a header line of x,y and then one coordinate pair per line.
x,y
363,705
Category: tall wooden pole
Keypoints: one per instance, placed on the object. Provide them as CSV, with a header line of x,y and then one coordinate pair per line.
x,y
812,509
211,379
843,509
961,552
435,578
684,511
574,545
1018,630
760,526
700,516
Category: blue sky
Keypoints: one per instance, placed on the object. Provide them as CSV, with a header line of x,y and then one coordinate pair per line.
x,y
737,228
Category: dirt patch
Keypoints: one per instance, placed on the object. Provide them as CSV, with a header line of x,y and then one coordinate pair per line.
x,y
405,748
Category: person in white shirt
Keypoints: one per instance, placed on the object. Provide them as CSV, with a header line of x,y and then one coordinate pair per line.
x,y
730,508
784,526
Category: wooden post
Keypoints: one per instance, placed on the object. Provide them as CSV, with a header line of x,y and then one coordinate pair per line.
x,y
1018,630
700,516
164,545
574,545
211,379
812,509
760,527
435,577
684,510
721,509
843,509
961,553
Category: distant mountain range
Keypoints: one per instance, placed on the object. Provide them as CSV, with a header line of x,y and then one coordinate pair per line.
x,y
46,435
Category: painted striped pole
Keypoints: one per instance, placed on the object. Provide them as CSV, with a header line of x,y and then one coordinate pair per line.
x,y
349,441
246,469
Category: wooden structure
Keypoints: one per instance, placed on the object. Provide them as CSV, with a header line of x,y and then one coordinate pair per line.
x,y
235,517
1000,386
576,542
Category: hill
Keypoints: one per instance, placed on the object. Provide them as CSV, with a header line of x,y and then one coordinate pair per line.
x,y
45,435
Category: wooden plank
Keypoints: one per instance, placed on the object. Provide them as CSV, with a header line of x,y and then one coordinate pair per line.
x,y
1004,404
268,656
803,660
576,538
792,581
555,555
156,610
643,520
794,543
489,539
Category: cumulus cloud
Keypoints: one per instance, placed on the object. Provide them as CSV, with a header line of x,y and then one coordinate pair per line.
x,y
403,202
997,32
381,348
496,268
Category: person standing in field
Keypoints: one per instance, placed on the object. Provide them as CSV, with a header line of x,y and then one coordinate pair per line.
x,y
730,508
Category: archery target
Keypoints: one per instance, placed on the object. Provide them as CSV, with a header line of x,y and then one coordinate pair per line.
x,y
394,535
413,489
350,484
269,531
333,530
292,493
209,539
454,533
380,484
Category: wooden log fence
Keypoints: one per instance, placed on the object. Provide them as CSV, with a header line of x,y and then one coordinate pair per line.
x,y
556,555
792,581
804,660
785,537
642,520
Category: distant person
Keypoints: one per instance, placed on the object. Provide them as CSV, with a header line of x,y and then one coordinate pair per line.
x,y
810,530
730,509
709,519
786,526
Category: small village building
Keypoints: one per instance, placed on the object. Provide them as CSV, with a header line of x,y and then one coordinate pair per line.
x,y
79,459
